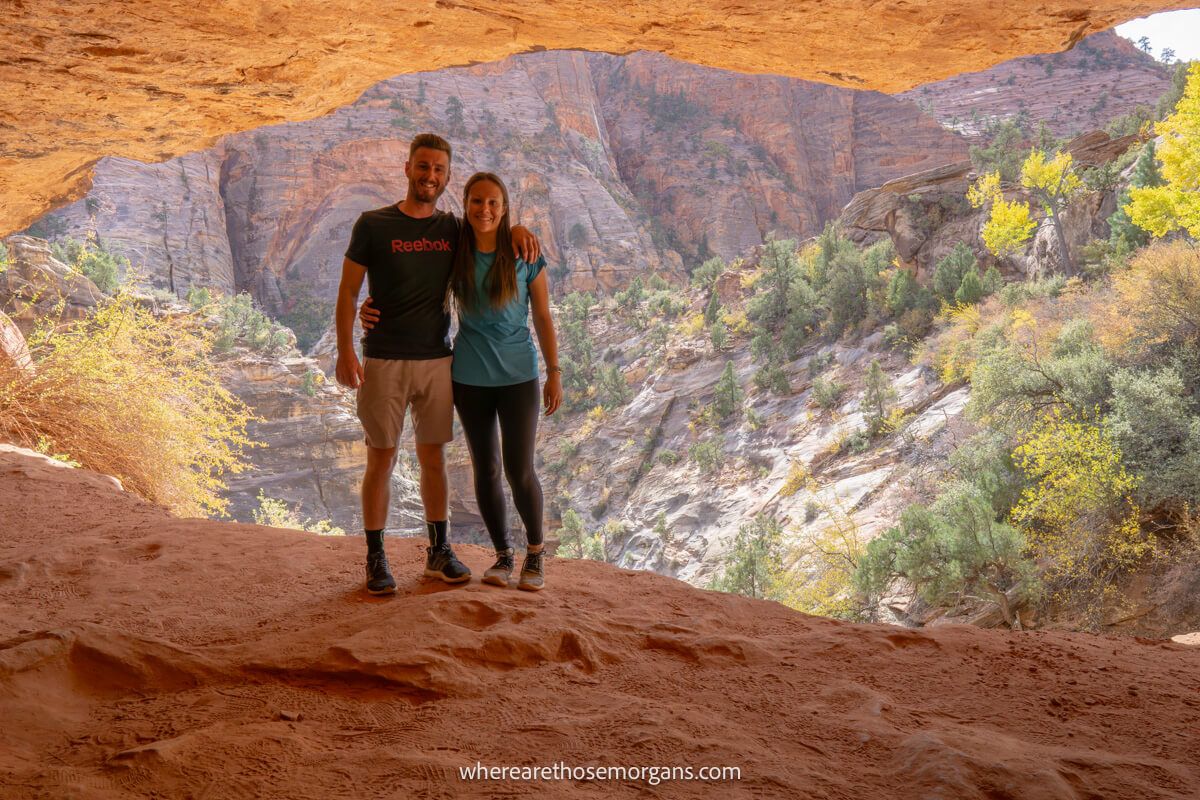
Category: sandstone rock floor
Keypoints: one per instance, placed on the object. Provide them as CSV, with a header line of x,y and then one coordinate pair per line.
x,y
147,656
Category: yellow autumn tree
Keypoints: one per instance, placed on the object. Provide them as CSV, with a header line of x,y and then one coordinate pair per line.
x,y
1175,206
132,395
1051,182
825,557
1077,512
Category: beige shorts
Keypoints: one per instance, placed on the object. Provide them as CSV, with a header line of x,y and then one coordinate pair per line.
x,y
391,386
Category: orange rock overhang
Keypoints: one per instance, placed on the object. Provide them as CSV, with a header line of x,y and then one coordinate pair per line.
x,y
158,78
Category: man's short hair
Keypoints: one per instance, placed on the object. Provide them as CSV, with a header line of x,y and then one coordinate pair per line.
x,y
431,140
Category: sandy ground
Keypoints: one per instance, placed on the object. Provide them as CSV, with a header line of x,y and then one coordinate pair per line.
x,y
147,656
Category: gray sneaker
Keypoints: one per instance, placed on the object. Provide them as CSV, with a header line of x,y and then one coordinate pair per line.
x,y
440,562
532,576
499,573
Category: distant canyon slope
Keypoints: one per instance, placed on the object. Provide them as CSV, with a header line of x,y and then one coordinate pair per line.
x,y
1104,76
623,165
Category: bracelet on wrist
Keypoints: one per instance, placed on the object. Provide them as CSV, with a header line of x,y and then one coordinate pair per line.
x,y
550,370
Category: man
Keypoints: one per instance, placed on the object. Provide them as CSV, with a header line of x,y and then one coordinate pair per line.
x,y
406,251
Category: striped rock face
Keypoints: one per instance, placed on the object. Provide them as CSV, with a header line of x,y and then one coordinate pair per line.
x,y
176,75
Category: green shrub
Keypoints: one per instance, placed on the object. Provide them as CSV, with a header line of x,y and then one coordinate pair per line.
x,y
611,389
728,397
827,394
845,295
275,513
1154,423
198,297
1013,382
949,273
707,273
708,455
784,305
971,290
307,315
90,258
953,548
858,442
771,378
240,323
311,382
754,566
1123,234
878,398
719,335
904,294
1004,152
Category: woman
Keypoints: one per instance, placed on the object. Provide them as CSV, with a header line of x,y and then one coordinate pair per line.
x,y
495,371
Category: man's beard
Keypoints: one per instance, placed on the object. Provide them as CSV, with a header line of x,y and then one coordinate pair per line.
x,y
427,195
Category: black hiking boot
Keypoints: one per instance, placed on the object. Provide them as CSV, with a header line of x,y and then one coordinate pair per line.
x,y
532,576
499,573
379,577
442,563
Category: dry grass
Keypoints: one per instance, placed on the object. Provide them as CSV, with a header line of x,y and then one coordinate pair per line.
x,y
131,395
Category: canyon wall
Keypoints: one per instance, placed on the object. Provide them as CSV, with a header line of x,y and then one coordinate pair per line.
x,y
175,76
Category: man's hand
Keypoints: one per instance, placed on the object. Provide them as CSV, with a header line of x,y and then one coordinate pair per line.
x,y
526,244
349,370
552,393
368,314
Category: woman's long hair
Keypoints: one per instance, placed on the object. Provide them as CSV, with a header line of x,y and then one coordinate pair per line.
x,y
500,283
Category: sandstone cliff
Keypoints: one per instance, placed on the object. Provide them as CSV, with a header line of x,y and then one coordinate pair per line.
x,y
1073,92
35,285
719,159
622,164
174,77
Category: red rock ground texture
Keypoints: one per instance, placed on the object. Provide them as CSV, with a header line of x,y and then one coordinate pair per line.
x,y
143,655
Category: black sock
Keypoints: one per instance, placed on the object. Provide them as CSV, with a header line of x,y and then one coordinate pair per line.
x,y
374,541
437,532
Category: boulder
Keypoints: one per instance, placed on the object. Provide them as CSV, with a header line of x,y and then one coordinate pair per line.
x,y
13,350
37,285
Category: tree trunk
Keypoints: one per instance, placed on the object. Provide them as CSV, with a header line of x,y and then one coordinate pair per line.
x,y
1012,620
1068,263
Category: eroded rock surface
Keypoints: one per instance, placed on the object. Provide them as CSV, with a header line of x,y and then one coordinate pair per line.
x,y
145,655
36,285
177,75
624,166
1072,92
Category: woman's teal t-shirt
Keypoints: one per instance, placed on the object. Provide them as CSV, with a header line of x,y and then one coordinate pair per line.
x,y
493,346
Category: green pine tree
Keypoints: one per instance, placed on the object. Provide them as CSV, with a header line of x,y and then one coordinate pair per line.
x,y
713,309
1125,236
949,272
454,116
728,398
877,398
754,567
970,291
719,334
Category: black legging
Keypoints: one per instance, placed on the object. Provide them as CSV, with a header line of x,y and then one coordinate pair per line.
x,y
517,408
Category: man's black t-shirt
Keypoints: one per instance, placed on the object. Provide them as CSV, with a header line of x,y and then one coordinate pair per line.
x,y
408,263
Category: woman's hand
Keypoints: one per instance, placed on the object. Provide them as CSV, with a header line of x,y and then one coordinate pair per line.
x,y
552,393
368,314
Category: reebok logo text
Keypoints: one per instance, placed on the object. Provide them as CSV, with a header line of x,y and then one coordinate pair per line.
x,y
420,246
